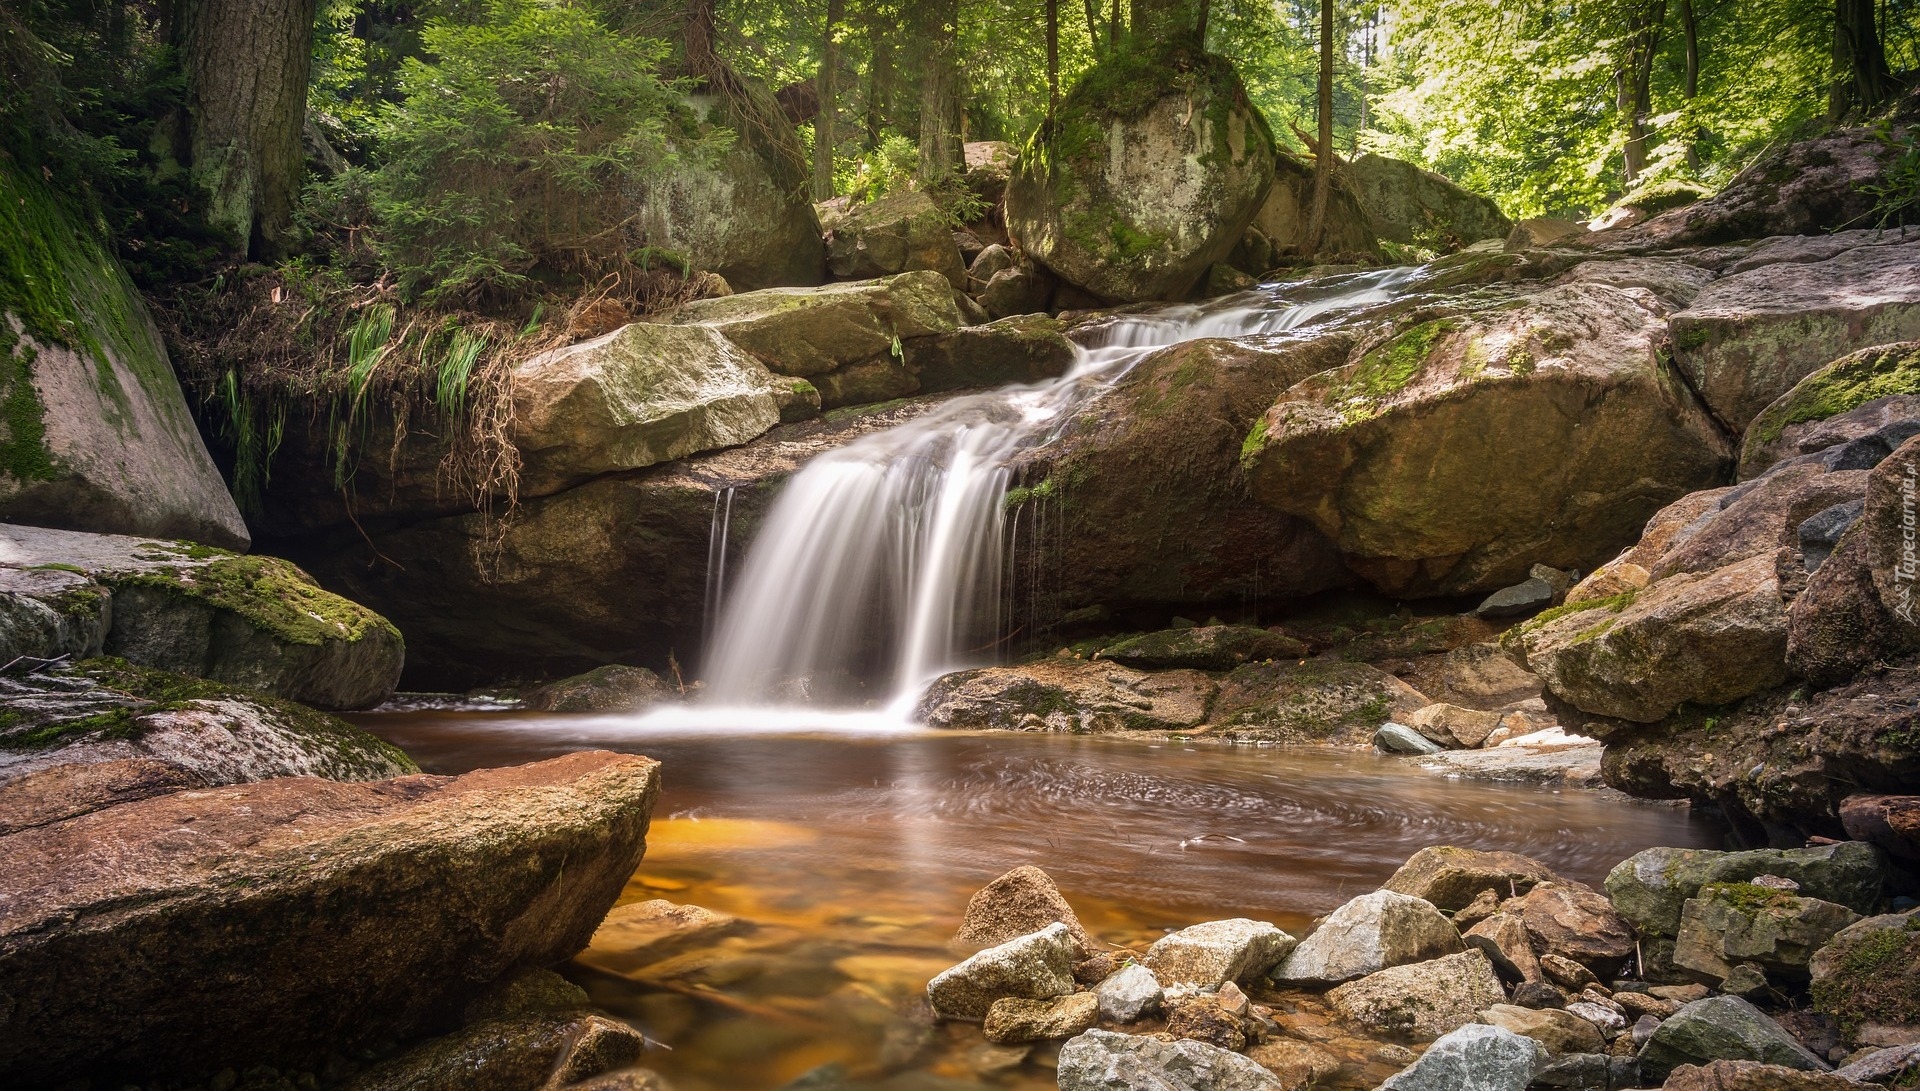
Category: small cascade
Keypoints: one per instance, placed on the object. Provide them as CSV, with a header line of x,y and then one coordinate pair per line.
x,y
881,563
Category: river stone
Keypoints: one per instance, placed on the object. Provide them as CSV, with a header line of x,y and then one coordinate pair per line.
x,y
1067,695
1753,1076
1454,727
640,933
1868,975
1483,677
1204,647
1578,924
1722,1028
1882,1065
1210,955
1728,924
1298,1064
807,332
612,688
1205,1018
1854,396
1504,940
50,613
1130,993
1101,1060
1650,888
1453,455
1425,998
1023,348
1400,739
1558,1030
1851,873
344,914
1037,966
258,623
1475,1057
898,233
1320,700
1021,902
1891,822
1523,599
511,1054
1578,1072
644,393
1369,934
115,449
1451,877
1409,205
1012,1019
1750,337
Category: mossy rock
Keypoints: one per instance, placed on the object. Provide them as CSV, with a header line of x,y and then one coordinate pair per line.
x,y
1846,384
1205,647
1319,700
1869,975
612,688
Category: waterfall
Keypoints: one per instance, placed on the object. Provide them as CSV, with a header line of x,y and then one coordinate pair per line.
x,y
880,564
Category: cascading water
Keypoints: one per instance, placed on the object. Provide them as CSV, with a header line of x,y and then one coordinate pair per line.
x,y
880,564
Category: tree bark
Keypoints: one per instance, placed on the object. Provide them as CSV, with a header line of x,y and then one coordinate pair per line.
x,y
879,80
1323,153
247,63
1053,58
823,122
1636,90
1690,81
1860,75
941,153
1093,26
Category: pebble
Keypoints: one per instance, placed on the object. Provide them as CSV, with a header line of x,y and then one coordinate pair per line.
x,y
1609,1021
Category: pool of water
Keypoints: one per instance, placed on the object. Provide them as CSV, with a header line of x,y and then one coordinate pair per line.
x,y
853,855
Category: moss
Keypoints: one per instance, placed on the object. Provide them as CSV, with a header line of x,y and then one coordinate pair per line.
x,y
1876,980
272,594
1255,442
1840,386
1021,494
1748,898
1388,369
23,449
1692,337
1614,603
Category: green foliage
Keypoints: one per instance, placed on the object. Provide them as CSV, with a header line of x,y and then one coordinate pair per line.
x,y
1896,196
886,167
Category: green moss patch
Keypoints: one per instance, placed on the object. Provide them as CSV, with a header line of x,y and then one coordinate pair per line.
x,y
272,594
1845,384
1877,979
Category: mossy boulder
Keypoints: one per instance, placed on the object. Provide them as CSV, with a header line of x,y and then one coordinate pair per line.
x,y
1408,205
1204,647
1067,695
1319,700
897,233
1452,453
612,688
1868,978
1286,213
1024,348
1868,388
52,612
1729,924
1148,174
94,431
257,623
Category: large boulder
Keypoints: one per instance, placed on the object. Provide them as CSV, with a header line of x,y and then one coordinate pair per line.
x,y
1101,1060
1037,966
1851,397
1146,176
1314,700
640,395
1576,923
1067,695
1018,903
1408,205
259,623
1729,924
1210,955
1858,608
1367,935
1722,1028
1451,878
897,233
1022,348
98,436
1424,998
1748,338
323,917
1476,1057
1753,1076
1203,647
1453,454
1286,213
1868,977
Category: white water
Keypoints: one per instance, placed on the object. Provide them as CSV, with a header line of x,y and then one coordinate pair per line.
x,y
880,565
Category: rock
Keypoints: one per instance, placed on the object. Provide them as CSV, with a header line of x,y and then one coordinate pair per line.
x,y
1012,1020
1577,1072
1453,726
1749,337
254,622
1523,599
1038,966
641,933
1483,906
1139,499
1843,400
989,167
483,873
1559,1031
1299,1065
898,233
1425,998
1538,994
1752,1076
1020,290
1101,1060
1733,923
1891,822
1408,205
1608,1020
1868,976
1205,647
1286,213
1146,181
1369,934
1202,1018
1857,609
1319,700
1210,955
992,259
1503,938
613,688
1578,924
1679,994
640,395
1067,695
1882,1065
1131,993
809,332
1026,348
1637,1004
1567,973
1400,739
1475,1057
1018,903
1482,676
1542,231
1456,453
1722,1028
100,438
511,1055
1450,877
1745,979
108,711
1821,533
50,613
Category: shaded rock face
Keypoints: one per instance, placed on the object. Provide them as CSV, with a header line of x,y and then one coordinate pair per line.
x,y
99,434
1287,211
1868,977
1067,695
555,1049
613,688
1204,647
1859,606
1320,700
1722,1028
1453,455
898,233
1024,348
1150,174
255,622
1851,397
1748,338
1408,205
413,895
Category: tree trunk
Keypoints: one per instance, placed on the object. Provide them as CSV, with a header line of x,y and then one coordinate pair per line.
x,y
823,122
247,64
1166,22
1113,26
1860,75
1323,153
941,153
697,40
879,81
1690,81
1093,26
1053,58
1636,88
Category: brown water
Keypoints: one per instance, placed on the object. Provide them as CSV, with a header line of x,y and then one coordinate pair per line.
x,y
855,855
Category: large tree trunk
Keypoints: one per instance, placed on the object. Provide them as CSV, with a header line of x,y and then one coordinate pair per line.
x,y
823,124
1690,81
1093,27
879,79
1636,88
1053,58
941,153
247,64
1860,76
1323,154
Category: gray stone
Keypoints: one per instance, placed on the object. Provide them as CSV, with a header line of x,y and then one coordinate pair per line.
x,y
1575,1072
1851,873
1723,1028
1883,1065
1538,994
1651,887
1367,935
1101,1060
808,332
1409,205
1212,954
1400,739
1476,1057
1608,1020
1561,1031
1129,993
1730,924
1523,599
1034,967
1013,1020
1821,531
1429,998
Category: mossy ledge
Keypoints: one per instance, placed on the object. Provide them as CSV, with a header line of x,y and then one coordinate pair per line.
x,y
1845,384
272,594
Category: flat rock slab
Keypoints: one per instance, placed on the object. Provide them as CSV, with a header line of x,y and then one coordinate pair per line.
x,y
317,915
